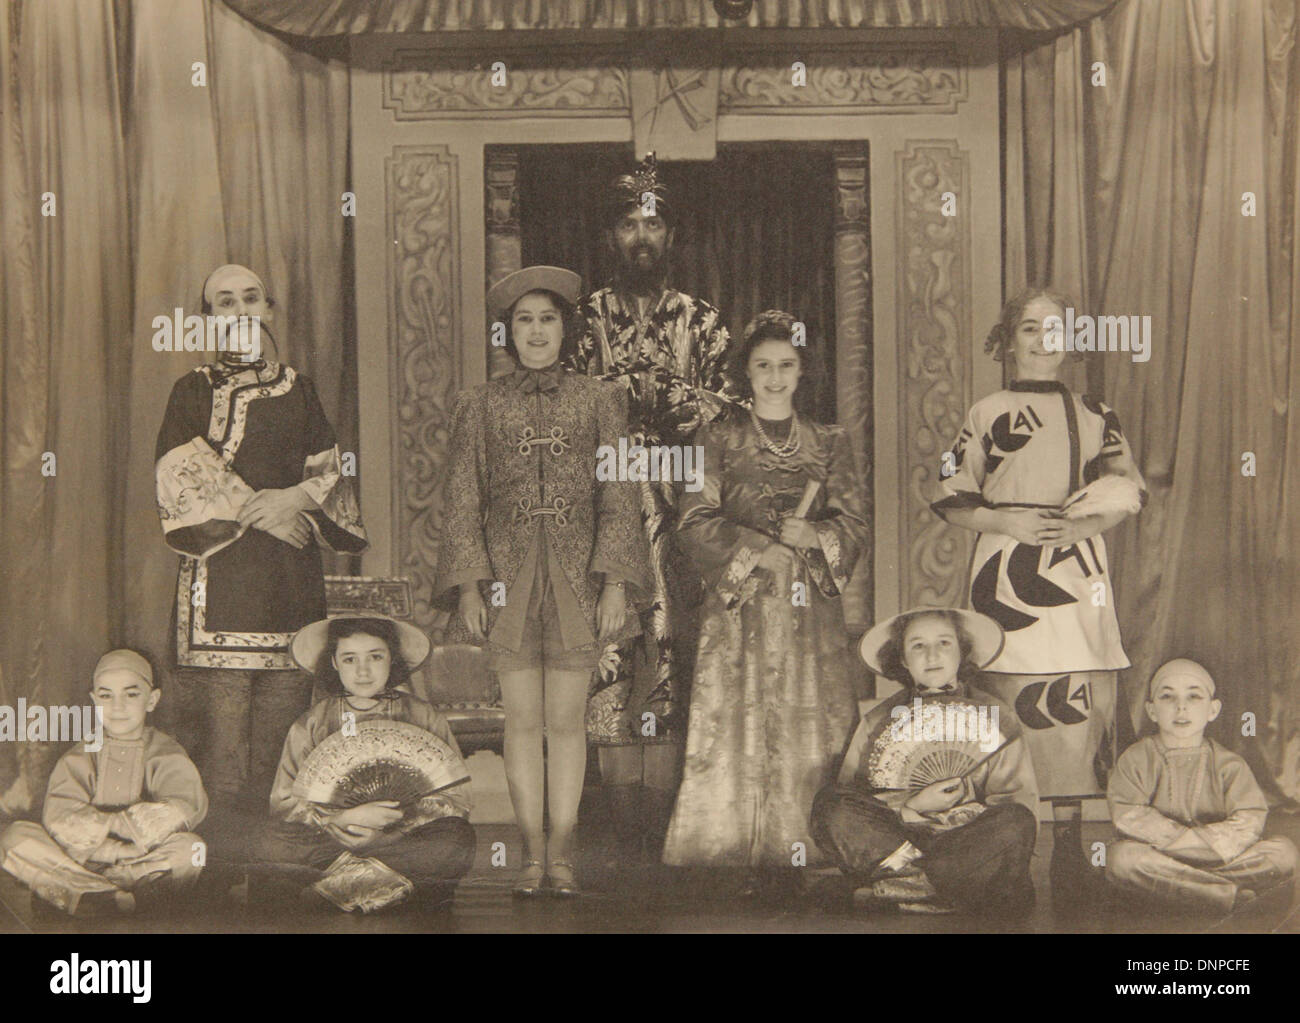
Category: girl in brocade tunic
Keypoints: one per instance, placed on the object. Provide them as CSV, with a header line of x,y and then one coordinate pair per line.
x,y
772,703
537,548
1039,568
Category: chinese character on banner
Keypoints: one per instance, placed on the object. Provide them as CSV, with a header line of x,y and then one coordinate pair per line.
x,y
675,112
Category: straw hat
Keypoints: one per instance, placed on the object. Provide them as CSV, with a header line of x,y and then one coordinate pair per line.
x,y
511,288
986,636
309,642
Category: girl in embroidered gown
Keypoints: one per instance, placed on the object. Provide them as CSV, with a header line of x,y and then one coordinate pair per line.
x,y
1017,476
538,547
772,703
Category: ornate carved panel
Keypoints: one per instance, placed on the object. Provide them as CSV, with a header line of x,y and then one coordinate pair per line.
x,y
578,86
593,84
907,82
934,311
503,237
853,385
344,593
424,324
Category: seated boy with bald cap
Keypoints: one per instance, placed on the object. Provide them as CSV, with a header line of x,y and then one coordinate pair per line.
x,y
119,819
1189,811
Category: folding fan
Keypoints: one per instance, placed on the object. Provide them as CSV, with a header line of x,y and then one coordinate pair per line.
x,y
382,760
900,762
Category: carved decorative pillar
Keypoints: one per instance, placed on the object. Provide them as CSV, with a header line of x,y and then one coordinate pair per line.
x,y
934,311
853,374
424,328
504,240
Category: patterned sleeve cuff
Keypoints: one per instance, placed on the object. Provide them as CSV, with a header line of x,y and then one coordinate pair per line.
x,y
151,823
959,501
336,520
825,563
430,808
199,499
81,832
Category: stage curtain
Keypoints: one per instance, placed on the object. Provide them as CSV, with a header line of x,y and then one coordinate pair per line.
x,y
66,304
159,177
1132,196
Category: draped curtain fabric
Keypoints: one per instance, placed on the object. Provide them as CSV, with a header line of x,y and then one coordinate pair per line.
x,y
351,17
66,303
1131,195
157,180
754,231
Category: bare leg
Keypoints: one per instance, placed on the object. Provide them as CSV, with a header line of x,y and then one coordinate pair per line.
x,y
566,755
521,693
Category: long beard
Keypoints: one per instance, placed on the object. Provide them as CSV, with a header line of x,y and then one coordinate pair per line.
x,y
643,280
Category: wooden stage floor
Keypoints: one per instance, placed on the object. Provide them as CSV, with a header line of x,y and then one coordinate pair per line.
x,y
648,901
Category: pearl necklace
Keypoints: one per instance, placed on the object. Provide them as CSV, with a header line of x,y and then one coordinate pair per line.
x,y
784,450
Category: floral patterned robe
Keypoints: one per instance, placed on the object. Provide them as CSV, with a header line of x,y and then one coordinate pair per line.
x,y
772,703
671,363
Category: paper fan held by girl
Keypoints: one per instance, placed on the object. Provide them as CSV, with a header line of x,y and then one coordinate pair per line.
x,y
924,815
371,787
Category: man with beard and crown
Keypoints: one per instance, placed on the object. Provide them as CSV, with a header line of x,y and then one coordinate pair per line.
x,y
668,349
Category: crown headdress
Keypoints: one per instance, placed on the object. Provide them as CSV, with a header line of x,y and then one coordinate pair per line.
x,y
630,189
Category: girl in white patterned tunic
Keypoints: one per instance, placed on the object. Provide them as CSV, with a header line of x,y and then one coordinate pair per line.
x,y
1039,567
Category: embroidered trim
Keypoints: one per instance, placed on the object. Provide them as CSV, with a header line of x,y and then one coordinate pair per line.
x,y
1072,429
195,487
557,440
525,512
251,650
229,419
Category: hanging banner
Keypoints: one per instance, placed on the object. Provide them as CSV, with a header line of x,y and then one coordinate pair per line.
x,y
675,112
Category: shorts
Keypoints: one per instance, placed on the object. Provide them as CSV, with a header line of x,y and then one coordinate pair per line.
x,y
542,645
